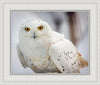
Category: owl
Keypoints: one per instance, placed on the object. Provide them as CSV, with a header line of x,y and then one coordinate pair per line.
x,y
46,51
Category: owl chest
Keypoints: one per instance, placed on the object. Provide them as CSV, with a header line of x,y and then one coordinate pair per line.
x,y
38,55
40,58
37,52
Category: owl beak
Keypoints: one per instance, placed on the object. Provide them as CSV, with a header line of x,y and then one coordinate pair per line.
x,y
34,35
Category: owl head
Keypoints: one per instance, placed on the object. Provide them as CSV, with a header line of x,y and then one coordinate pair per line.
x,y
34,29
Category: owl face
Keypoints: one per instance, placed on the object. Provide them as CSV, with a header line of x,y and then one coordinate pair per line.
x,y
34,29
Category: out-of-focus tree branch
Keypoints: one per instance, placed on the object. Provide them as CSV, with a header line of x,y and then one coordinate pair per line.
x,y
75,28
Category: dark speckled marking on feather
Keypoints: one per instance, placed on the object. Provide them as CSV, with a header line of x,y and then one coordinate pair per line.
x,y
63,69
66,58
62,66
74,71
58,59
74,62
66,53
31,64
69,57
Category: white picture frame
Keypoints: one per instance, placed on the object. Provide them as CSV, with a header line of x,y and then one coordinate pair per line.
x,y
92,5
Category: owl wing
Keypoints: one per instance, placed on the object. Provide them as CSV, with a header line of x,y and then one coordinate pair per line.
x,y
21,57
64,55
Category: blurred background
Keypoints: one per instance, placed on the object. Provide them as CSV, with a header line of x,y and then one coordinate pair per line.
x,y
74,25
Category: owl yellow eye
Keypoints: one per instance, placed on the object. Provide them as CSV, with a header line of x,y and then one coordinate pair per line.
x,y
40,28
27,28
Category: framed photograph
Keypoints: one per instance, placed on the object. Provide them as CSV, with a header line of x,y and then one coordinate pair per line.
x,y
62,22
49,42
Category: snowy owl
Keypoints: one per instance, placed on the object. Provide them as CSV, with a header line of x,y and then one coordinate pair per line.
x,y
46,51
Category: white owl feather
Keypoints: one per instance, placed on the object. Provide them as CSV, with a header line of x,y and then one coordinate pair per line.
x,y
43,50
